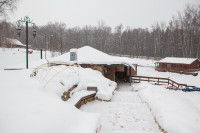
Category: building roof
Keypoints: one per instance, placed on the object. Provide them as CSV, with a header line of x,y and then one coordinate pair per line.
x,y
176,60
89,55
15,42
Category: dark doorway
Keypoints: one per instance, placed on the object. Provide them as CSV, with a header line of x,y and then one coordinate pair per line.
x,y
120,74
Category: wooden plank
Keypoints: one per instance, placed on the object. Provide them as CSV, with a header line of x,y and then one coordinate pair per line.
x,y
150,77
163,82
92,88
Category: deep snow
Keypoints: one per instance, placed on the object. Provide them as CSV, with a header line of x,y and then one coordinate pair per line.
x,y
26,105
52,77
175,111
126,113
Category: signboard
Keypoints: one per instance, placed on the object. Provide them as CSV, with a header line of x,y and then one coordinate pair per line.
x,y
120,69
73,56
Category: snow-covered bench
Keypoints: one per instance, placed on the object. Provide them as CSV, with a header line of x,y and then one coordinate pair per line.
x,y
82,97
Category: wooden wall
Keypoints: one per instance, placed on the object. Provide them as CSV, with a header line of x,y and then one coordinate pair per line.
x,y
109,71
194,66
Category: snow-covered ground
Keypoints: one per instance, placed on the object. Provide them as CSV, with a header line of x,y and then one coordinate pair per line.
x,y
179,78
147,68
175,111
27,107
16,57
33,104
126,113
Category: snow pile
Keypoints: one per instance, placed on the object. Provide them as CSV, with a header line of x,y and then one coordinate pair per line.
x,y
59,79
175,111
26,107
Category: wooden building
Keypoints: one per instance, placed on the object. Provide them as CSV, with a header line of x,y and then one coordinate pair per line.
x,y
112,67
12,43
183,65
114,72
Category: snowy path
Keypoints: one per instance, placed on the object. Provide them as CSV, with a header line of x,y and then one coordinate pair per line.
x,y
124,114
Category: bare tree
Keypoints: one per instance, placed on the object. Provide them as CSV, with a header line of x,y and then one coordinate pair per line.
x,y
7,6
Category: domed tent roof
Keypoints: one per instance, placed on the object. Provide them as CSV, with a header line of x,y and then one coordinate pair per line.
x,y
89,55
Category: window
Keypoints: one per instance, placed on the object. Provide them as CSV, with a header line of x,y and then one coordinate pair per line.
x,y
168,65
178,66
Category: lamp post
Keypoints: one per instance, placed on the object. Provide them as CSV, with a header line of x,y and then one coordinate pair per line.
x,y
26,20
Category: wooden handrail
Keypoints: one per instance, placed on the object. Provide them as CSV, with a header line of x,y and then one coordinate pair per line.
x,y
149,77
158,80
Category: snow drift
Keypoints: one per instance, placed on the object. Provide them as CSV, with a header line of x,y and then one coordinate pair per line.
x,y
172,109
27,107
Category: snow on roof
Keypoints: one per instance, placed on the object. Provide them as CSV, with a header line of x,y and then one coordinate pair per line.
x,y
177,60
89,55
15,41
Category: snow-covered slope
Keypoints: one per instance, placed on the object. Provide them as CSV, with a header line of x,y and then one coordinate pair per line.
x,y
175,111
27,107
16,58
34,105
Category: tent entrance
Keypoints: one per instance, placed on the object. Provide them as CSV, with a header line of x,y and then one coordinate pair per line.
x,y
121,73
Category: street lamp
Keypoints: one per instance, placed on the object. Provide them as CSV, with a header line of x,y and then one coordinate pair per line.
x,y
26,20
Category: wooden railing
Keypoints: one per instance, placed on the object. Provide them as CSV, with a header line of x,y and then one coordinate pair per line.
x,y
158,81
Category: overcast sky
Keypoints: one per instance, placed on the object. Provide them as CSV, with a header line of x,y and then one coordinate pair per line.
x,y
132,13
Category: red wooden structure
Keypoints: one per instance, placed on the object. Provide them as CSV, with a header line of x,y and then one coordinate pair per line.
x,y
178,64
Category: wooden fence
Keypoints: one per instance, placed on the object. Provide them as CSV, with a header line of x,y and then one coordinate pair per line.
x,y
158,81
